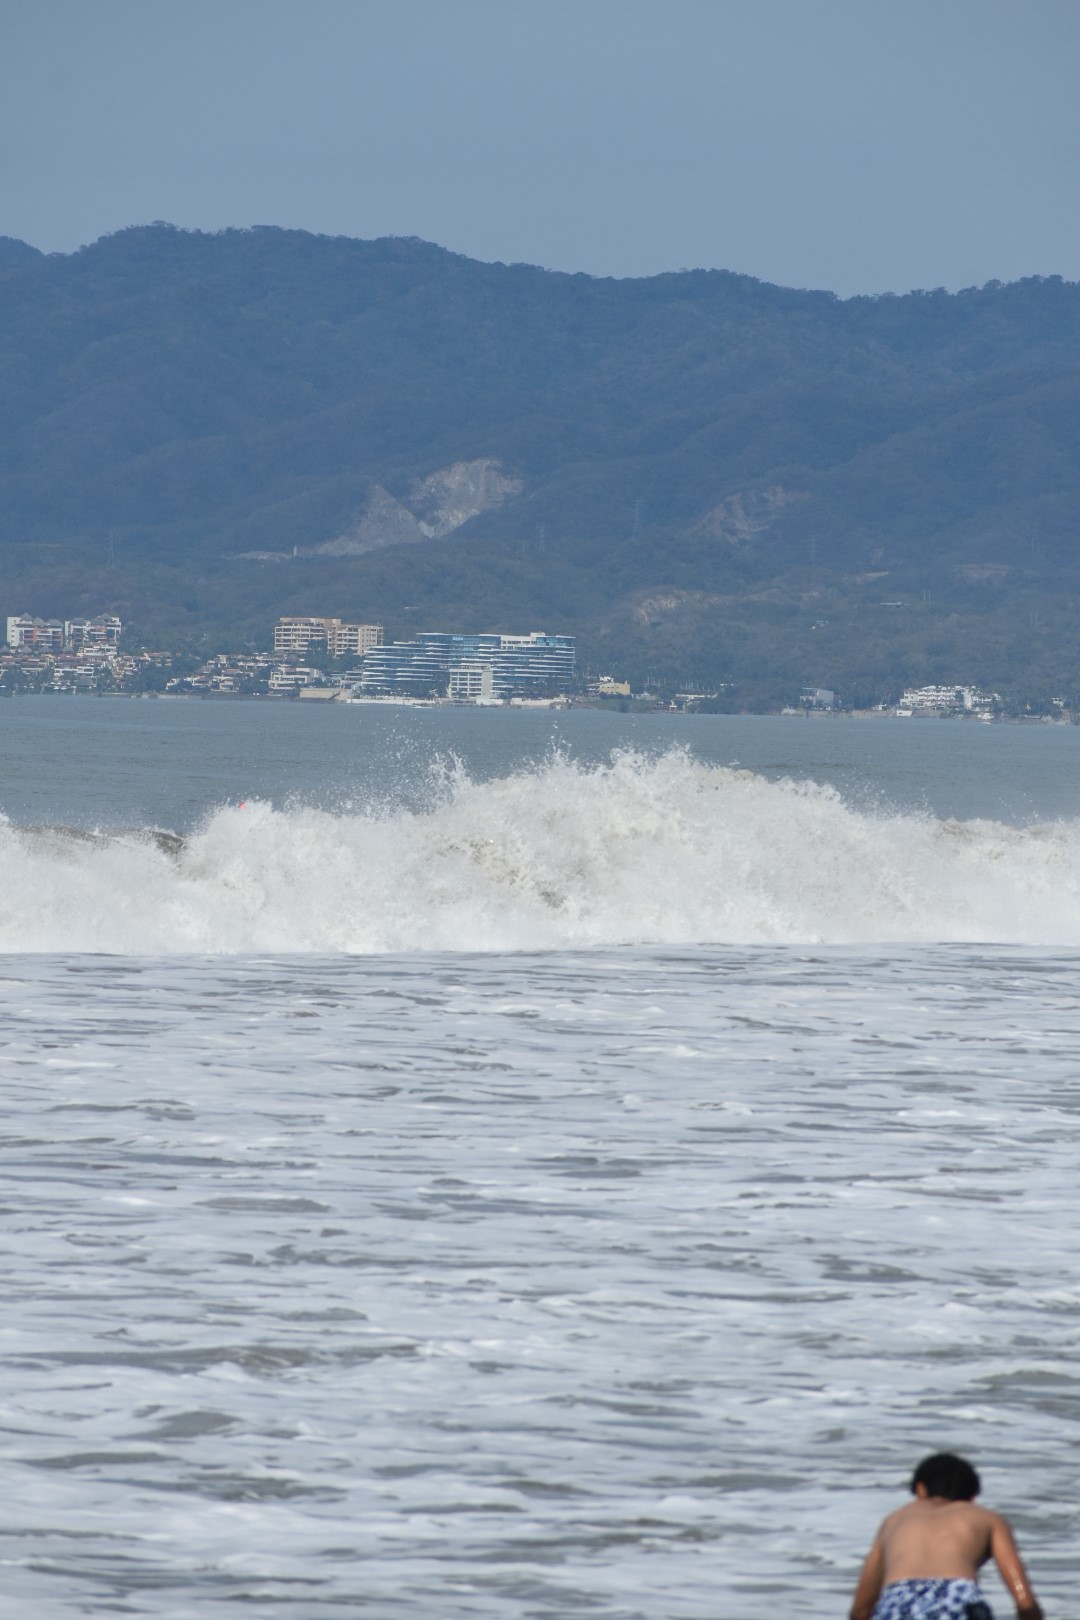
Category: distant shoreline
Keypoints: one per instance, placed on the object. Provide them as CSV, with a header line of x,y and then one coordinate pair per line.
x,y
557,707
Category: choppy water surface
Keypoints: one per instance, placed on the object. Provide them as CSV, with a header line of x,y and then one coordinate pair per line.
x,y
96,763
501,1165
621,1282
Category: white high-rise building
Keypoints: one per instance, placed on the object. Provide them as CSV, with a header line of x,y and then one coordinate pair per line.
x,y
295,634
44,635
104,631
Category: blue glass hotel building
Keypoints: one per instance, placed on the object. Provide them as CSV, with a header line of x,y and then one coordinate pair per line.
x,y
520,665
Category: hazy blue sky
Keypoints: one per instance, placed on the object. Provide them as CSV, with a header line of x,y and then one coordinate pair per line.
x,y
862,145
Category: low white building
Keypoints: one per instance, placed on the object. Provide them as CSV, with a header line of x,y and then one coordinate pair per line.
x,y
291,677
939,699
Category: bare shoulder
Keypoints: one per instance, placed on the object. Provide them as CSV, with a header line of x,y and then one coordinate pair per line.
x,y
897,1517
987,1525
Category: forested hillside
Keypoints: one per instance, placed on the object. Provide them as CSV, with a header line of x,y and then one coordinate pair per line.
x,y
702,475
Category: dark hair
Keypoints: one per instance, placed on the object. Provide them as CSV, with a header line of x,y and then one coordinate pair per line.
x,y
947,1475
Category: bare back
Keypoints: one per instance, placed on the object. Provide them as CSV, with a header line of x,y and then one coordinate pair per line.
x,y
936,1539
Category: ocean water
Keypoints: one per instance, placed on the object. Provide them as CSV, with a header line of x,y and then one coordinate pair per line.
x,y
525,1165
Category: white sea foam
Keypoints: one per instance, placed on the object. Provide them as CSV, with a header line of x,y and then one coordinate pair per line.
x,y
624,1284
663,850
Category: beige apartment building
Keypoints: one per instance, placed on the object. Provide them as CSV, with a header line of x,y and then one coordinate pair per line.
x,y
67,635
295,635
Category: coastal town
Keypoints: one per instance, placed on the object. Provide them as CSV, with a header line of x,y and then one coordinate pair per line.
x,y
327,659
313,658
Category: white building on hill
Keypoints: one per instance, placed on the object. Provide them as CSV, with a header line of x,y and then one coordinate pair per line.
x,y
68,635
296,634
934,699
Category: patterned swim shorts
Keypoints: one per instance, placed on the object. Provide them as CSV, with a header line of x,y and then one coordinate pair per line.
x,y
932,1600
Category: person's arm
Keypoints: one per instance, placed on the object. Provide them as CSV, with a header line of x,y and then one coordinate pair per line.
x,y
870,1582
1011,1568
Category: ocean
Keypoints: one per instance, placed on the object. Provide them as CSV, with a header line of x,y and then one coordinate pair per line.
x,y
476,1163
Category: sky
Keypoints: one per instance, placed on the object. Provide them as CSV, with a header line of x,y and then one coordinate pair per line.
x,y
860,145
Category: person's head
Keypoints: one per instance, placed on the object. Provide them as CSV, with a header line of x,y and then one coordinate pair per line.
x,y
946,1475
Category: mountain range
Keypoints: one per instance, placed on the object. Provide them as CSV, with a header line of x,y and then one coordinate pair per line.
x,y
703,476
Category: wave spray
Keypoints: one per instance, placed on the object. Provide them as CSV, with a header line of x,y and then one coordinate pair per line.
x,y
636,850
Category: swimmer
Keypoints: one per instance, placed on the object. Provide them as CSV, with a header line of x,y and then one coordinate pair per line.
x,y
926,1556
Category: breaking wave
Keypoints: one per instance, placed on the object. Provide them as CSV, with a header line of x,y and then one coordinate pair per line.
x,y
637,850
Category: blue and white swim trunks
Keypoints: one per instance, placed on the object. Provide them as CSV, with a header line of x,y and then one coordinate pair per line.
x,y
932,1600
